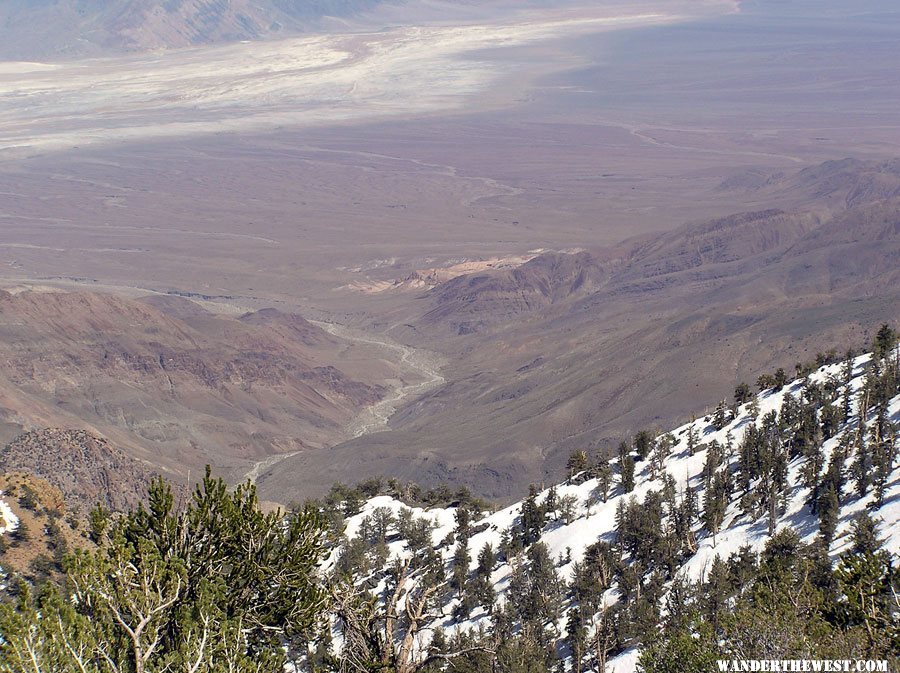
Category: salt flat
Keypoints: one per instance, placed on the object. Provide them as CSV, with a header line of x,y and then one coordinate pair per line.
x,y
294,173
296,82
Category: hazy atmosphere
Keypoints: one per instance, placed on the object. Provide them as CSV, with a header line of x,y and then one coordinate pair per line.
x,y
337,173
432,336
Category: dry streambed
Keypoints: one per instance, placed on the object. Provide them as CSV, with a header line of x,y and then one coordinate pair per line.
x,y
420,372
423,365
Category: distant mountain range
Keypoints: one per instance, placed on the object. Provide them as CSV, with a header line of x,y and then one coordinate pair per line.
x,y
47,29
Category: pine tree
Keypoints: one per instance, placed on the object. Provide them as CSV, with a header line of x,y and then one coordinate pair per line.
x,y
98,523
381,521
577,462
606,637
807,441
463,517
482,588
486,560
835,473
847,368
639,528
780,378
545,584
568,507
885,340
685,518
862,468
484,593
415,530
717,589
680,652
846,404
729,445
551,503
661,451
882,440
864,533
742,568
829,510
742,394
753,408
867,585
534,588
720,417
883,464
171,589
643,444
714,456
831,419
692,439
626,468
532,517
765,382
751,452
460,567
604,478
716,501
576,637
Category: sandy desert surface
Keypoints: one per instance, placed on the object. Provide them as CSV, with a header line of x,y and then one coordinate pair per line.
x,y
304,173
298,82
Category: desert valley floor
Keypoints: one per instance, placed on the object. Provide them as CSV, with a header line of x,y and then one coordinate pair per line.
x,y
521,173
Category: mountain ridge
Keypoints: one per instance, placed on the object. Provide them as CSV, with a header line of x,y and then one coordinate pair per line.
x,y
174,385
560,365
582,522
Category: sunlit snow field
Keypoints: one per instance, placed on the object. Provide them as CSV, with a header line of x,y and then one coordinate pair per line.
x,y
595,520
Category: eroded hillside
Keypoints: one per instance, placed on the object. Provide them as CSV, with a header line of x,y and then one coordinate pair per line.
x,y
174,386
574,350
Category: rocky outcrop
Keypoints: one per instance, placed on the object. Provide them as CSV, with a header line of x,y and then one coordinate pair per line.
x,y
86,468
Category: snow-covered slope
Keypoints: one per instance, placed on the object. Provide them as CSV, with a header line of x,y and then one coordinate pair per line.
x,y
590,519
8,523
8,520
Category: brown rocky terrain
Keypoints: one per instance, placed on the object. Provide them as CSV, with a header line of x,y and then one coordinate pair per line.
x,y
171,384
577,351
260,175
470,302
46,529
562,351
85,468
838,183
35,29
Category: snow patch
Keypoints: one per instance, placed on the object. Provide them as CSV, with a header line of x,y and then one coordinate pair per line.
x,y
8,520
